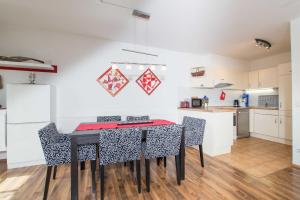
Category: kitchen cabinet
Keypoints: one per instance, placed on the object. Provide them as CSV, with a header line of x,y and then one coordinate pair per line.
x,y
268,78
251,120
2,130
285,126
284,69
265,78
266,123
285,92
253,79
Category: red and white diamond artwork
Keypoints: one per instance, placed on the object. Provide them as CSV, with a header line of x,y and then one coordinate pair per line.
x,y
113,81
148,81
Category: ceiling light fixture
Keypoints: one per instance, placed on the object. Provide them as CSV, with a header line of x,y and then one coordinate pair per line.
x,y
262,43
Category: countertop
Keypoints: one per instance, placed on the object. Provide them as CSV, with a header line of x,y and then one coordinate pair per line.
x,y
226,108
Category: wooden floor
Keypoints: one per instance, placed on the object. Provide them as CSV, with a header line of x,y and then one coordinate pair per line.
x,y
217,180
258,157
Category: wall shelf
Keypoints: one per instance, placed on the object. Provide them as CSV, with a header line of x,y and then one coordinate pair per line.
x,y
24,66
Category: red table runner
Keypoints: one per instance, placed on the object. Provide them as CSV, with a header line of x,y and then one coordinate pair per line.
x,y
114,125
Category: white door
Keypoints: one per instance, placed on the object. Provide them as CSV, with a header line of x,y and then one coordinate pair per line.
x,y
268,78
23,145
28,103
266,124
285,127
253,80
285,92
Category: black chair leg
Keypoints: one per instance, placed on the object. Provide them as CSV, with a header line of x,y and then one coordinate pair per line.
x,y
54,172
165,162
131,166
125,163
177,164
157,161
138,174
47,181
147,166
101,169
93,170
201,155
82,165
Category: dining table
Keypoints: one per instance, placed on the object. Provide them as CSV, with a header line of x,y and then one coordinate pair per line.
x,y
88,133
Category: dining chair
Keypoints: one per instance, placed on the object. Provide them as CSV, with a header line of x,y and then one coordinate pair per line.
x,y
117,146
162,141
194,133
57,151
109,118
137,118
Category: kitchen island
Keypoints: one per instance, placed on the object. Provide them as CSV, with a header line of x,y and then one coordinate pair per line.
x,y
218,135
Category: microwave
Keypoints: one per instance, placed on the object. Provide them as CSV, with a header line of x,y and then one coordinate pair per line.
x,y
196,103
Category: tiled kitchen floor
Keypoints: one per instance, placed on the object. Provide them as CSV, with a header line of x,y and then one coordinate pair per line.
x,y
258,157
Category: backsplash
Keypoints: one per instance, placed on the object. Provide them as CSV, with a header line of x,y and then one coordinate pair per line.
x,y
268,100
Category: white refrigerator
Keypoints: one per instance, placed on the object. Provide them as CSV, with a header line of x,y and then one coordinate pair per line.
x,y
30,107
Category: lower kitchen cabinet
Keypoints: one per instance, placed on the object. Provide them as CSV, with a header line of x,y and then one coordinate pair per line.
x,y
2,130
266,124
285,127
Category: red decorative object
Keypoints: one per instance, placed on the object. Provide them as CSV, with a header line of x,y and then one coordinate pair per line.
x,y
222,96
113,81
148,81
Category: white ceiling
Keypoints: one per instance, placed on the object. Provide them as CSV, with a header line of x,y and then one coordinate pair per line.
x,y
225,27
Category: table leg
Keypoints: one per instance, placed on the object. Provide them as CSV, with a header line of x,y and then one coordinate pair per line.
x,y
74,169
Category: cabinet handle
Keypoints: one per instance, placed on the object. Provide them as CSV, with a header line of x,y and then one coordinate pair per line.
x,y
275,121
280,121
280,105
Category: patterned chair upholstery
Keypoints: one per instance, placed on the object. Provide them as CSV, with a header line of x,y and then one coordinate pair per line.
x,y
57,151
109,118
137,118
162,141
194,130
194,133
57,147
120,145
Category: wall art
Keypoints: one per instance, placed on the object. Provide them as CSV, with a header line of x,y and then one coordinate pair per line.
x,y
148,81
113,81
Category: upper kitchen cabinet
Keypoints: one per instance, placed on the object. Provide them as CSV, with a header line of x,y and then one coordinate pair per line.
x,y
253,79
268,78
284,69
265,78
285,87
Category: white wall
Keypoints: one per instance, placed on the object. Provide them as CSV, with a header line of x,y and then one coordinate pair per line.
x,y
82,59
270,61
295,40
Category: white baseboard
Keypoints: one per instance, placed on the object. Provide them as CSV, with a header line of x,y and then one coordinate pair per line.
x,y
3,155
24,164
270,138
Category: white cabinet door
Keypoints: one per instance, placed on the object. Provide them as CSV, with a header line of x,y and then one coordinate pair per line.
x,y
253,80
24,145
285,127
251,120
28,103
266,125
2,130
284,69
285,92
268,78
